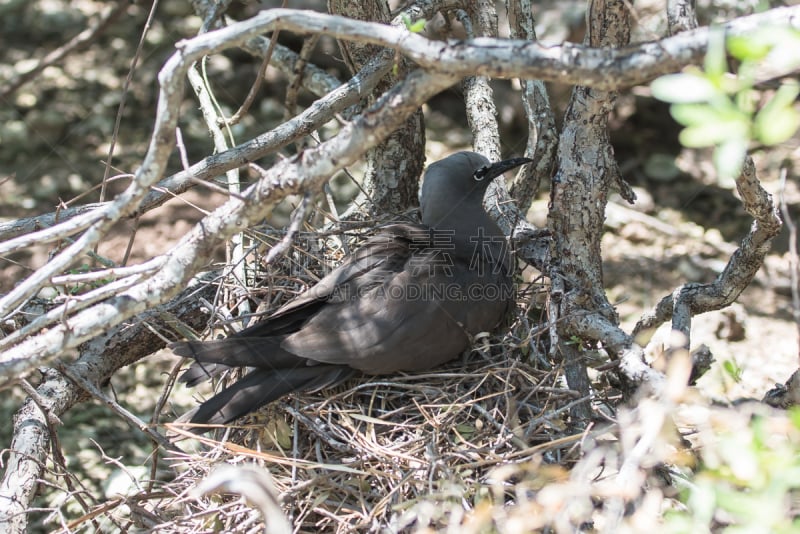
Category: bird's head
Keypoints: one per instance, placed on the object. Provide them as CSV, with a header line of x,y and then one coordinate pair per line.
x,y
458,183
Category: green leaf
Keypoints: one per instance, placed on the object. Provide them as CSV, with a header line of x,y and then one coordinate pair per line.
x,y
465,429
716,62
747,100
786,94
415,26
778,120
756,45
691,114
685,87
713,133
748,47
728,159
794,416
733,370
776,125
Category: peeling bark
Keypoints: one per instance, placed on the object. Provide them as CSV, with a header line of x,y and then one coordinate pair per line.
x,y
586,170
391,180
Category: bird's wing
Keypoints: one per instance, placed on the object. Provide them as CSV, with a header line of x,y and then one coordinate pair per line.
x,y
397,323
377,260
381,255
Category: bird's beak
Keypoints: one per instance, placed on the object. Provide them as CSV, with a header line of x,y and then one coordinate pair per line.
x,y
496,169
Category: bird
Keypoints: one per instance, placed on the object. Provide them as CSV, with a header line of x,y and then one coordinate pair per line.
x,y
410,298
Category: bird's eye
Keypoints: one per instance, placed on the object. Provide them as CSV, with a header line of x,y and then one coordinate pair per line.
x,y
480,174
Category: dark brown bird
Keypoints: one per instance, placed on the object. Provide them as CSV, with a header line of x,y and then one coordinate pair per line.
x,y
409,299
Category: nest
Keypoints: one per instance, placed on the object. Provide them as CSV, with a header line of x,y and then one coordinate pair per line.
x,y
413,450
392,453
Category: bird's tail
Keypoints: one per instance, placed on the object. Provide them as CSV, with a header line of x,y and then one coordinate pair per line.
x,y
258,388
277,373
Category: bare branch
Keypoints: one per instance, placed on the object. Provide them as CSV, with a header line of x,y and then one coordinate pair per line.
x,y
311,119
586,170
692,299
56,394
82,220
478,94
529,242
603,68
598,67
482,117
212,114
73,304
542,134
306,172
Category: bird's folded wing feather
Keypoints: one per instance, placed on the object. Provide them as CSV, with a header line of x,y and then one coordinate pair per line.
x,y
373,313
381,255
384,315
